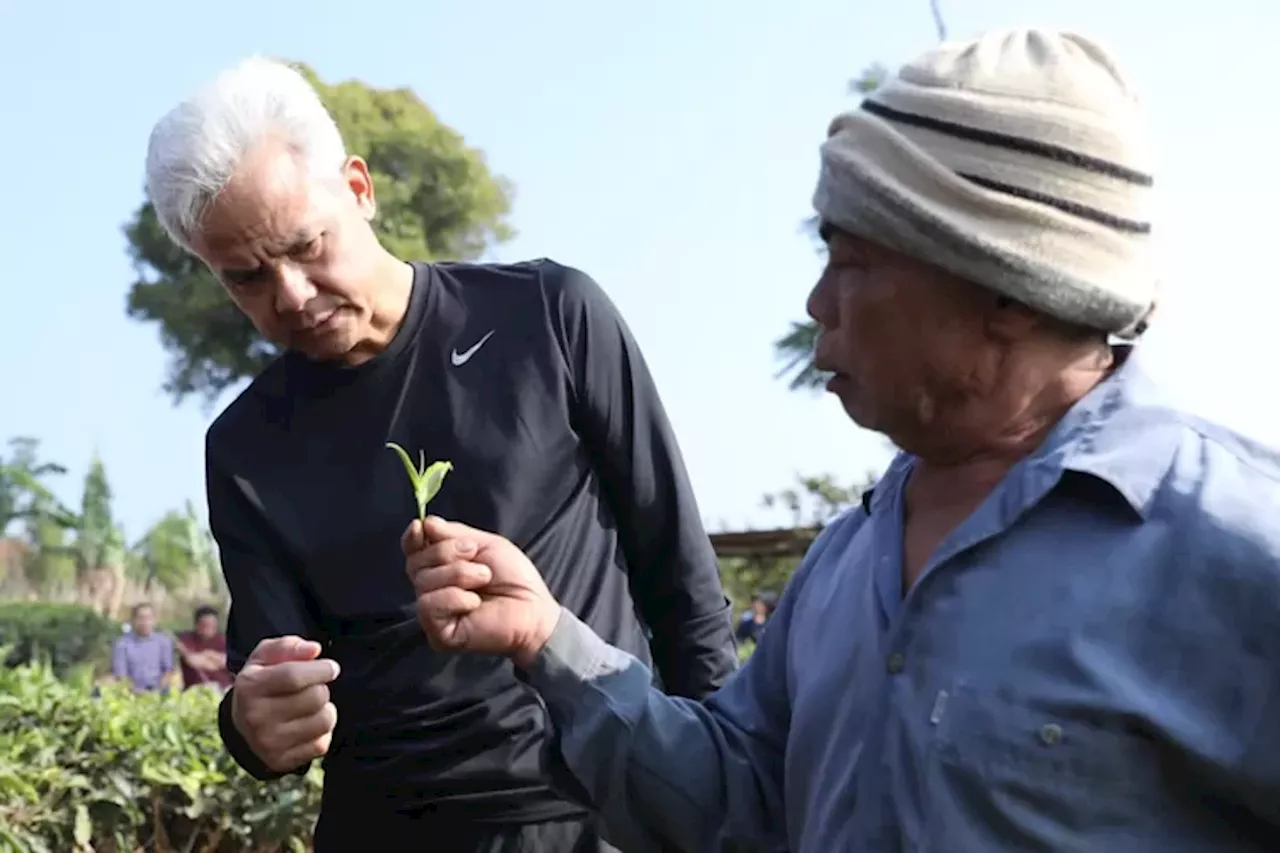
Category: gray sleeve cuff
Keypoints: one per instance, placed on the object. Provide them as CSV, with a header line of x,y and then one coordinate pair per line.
x,y
572,659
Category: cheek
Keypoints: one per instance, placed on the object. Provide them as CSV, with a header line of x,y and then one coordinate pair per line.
x,y
866,328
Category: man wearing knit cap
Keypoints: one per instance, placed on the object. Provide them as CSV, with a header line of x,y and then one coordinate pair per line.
x,y
1054,623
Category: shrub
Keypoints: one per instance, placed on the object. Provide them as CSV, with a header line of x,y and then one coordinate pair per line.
x,y
67,635
118,772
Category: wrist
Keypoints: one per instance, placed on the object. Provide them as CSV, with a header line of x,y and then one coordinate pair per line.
x,y
528,652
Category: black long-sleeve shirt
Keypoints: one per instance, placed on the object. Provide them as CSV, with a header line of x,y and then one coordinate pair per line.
x,y
525,377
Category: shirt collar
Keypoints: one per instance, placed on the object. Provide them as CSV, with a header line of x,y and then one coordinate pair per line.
x,y
1119,434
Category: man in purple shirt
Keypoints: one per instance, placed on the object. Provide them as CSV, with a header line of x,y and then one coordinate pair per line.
x,y
143,657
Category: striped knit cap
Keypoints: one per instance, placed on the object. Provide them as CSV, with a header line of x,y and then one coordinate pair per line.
x,y
1017,161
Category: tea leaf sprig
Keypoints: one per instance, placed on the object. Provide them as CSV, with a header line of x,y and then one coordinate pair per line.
x,y
426,480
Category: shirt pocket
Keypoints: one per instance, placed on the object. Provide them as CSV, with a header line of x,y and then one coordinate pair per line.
x,y
1011,773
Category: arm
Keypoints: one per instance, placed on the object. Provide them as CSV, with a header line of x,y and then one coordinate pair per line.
x,y
673,571
119,662
266,601
203,661
170,676
667,772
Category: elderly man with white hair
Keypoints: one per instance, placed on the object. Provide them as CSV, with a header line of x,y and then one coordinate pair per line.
x,y
523,376
1054,623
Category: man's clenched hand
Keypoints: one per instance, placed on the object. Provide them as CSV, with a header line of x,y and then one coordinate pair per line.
x,y
280,702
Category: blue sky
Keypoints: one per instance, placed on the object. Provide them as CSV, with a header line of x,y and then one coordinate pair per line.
x,y
669,149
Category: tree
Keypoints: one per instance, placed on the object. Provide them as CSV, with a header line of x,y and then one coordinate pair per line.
x,y
812,503
795,348
436,200
177,554
23,493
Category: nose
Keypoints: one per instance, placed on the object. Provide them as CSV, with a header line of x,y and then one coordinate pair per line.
x,y
293,291
819,304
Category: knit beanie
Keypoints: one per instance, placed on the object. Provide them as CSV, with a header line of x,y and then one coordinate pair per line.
x,y
1017,161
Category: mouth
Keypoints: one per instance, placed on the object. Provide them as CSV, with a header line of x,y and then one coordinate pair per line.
x,y
321,324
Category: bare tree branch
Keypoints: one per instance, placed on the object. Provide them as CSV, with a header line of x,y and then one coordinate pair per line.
x,y
939,24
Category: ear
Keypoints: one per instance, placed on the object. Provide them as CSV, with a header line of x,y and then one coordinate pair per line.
x,y
355,173
1009,321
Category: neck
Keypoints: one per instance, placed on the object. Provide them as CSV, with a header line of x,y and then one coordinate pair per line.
x,y
994,432
394,287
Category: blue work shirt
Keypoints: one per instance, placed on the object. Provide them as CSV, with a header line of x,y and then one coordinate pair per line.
x,y
1090,662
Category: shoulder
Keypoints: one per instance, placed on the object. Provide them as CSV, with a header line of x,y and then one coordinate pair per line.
x,y
549,276
1222,481
255,408
823,556
566,289
1214,519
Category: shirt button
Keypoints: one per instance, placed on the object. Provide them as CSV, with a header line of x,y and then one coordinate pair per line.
x,y
896,663
1050,734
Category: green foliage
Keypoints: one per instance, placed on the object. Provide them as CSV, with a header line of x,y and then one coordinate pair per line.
x,y
23,493
811,503
743,577
63,635
436,200
121,773
99,542
174,553
425,479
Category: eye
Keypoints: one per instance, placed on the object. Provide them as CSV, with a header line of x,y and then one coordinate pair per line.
x,y
243,279
311,249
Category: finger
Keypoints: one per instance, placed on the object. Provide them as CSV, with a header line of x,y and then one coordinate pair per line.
x,y
283,679
460,573
440,554
265,715
301,730
446,605
274,650
436,529
411,540
305,752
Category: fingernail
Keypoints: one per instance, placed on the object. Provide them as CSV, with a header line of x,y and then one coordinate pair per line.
x,y
465,547
337,670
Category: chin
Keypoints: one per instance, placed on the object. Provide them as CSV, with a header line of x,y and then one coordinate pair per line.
x,y
330,346
853,405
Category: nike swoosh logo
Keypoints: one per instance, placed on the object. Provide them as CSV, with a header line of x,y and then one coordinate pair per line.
x,y
461,358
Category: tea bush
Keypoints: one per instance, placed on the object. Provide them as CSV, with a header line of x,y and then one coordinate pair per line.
x,y
67,635
117,773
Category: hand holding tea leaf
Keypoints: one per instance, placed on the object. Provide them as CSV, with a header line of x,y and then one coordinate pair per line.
x,y
426,480
477,592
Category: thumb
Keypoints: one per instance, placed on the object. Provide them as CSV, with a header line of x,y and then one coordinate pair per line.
x,y
412,541
436,529
276,650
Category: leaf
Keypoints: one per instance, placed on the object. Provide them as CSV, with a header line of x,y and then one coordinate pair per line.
x,y
433,479
408,463
426,481
83,827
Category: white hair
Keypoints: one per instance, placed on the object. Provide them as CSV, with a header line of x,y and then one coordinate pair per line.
x,y
196,147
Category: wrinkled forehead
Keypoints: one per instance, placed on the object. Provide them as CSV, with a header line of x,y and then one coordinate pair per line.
x,y
266,208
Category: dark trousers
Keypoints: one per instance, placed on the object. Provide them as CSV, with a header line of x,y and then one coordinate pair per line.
x,y
397,834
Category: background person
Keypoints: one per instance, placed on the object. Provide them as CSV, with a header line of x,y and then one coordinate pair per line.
x,y
144,657
203,652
